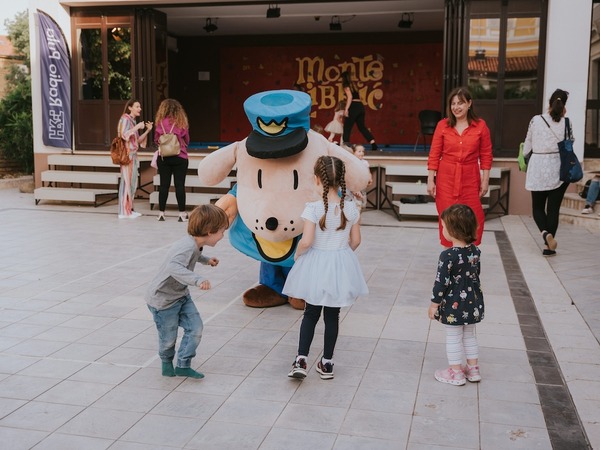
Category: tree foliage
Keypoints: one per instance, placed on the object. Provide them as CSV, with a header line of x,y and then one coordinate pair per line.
x,y
16,126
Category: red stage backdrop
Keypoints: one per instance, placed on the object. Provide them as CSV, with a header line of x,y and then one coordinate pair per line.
x,y
396,81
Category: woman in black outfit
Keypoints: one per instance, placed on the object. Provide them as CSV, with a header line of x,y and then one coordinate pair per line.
x,y
354,112
171,118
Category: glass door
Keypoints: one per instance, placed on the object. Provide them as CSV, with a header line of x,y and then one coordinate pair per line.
x,y
496,48
505,67
102,76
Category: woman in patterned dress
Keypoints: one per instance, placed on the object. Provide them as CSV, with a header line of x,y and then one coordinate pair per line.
x,y
128,130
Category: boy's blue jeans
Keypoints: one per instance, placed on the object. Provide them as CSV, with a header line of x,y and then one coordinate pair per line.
x,y
182,314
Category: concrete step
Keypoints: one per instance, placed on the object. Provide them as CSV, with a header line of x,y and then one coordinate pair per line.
x,y
407,188
80,177
574,217
416,209
573,201
74,194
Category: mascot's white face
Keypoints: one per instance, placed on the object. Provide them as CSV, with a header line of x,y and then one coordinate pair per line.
x,y
272,193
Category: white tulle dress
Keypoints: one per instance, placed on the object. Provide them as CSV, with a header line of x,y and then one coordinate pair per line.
x,y
329,273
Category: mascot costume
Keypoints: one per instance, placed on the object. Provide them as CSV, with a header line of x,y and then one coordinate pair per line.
x,y
274,181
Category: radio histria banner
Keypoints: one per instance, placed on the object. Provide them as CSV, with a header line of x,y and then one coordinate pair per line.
x,y
55,63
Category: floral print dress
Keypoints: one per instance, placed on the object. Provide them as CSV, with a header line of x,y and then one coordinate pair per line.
x,y
457,288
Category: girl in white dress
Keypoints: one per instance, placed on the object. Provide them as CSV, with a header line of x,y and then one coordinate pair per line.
x,y
326,274
336,126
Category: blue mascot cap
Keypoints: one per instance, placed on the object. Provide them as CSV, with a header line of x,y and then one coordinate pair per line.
x,y
280,122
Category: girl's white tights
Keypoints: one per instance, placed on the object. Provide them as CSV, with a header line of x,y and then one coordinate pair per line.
x,y
461,341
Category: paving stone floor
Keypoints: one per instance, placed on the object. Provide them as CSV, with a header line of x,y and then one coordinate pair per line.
x,y
79,370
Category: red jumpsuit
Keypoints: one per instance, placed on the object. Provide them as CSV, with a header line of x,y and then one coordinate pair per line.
x,y
457,160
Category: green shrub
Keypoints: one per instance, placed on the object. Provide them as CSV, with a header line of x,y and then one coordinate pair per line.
x,y
16,126
16,129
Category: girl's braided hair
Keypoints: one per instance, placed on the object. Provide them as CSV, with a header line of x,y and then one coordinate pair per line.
x,y
332,173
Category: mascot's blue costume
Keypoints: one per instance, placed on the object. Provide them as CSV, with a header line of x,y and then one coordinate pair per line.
x,y
274,170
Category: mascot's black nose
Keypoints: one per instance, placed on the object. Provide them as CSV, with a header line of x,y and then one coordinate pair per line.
x,y
272,224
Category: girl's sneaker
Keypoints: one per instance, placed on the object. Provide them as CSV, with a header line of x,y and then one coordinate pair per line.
x,y
183,217
298,369
472,374
326,370
450,376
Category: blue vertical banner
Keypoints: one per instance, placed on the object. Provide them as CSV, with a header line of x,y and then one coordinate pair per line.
x,y
55,63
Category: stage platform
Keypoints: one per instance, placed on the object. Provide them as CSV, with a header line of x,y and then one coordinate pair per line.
x,y
395,148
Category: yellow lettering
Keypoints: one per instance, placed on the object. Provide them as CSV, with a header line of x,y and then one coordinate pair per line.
x,y
375,71
309,67
332,73
324,86
328,98
373,98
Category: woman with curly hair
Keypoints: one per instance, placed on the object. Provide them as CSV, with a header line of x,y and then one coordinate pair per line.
x,y
171,118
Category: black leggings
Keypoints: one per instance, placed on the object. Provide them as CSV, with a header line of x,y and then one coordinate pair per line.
x,y
176,167
356,114
546,208
331,317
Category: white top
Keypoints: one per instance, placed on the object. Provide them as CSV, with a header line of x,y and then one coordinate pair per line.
x,y
543,169
330,238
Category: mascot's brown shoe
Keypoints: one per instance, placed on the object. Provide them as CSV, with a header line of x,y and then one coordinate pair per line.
x,y
262,296
296,303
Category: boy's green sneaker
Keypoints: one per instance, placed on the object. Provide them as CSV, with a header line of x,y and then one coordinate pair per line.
x,y
188,372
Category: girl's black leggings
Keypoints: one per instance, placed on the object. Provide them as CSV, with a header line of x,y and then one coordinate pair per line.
x,y
331,317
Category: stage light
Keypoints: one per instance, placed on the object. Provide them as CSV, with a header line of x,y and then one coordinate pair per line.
x,y
407,20
210,27
273,12
335,24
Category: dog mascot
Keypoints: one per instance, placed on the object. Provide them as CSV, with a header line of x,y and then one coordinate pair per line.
x,y
274,181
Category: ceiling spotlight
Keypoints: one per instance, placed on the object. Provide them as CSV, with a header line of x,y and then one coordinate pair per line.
x,y
407,20
335,24
210,27
273,12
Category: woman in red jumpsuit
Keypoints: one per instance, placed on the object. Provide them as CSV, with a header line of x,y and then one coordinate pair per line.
x,y
460,159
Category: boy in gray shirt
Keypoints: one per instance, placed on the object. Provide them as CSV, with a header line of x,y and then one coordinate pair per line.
x,y
168,296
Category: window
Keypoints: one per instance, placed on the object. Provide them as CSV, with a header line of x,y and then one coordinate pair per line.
x,y
119,63
504,68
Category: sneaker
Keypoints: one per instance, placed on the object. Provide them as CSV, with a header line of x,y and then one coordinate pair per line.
x,y
298,369
134,215
326,370
472,374
548,252
161,216
587,210
549,240
450,376
183,217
